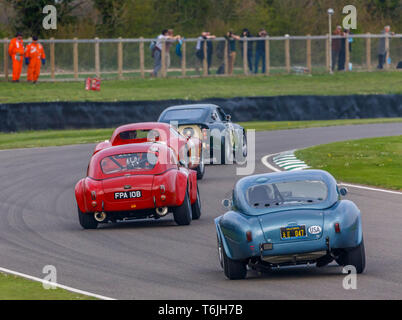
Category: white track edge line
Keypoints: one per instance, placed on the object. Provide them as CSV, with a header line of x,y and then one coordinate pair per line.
x,y
57,285
265,162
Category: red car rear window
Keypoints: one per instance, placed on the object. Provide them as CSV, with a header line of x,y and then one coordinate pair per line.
x,y
139,161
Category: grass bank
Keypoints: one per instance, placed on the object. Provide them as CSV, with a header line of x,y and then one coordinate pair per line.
x,y
16,288
346,83
375,162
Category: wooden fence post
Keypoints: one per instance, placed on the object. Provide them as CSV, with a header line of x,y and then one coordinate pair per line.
x,y
327,49
52,59
308,49
142,59
287,53
120,59
97,58
347,53
75,58
183,58
163,59
5,57
245,56
205,60
368,51
387,53
226,57
267,57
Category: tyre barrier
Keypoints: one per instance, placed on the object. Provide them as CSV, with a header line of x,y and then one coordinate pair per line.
x,y
78,115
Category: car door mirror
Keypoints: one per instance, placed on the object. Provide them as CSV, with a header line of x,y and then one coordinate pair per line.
x,y
343,191
228,117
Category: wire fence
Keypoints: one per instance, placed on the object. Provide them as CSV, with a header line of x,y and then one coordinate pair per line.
x,y
77,59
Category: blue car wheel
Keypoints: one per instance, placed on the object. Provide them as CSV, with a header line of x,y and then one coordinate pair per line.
x,y
234,270
355,257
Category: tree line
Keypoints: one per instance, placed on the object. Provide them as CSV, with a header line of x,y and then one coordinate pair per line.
x,y
135,18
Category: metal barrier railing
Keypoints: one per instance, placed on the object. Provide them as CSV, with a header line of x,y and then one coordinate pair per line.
x,y
73,59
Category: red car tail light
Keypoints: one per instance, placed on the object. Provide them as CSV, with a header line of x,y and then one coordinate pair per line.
x,y
249,236
337,228
162,188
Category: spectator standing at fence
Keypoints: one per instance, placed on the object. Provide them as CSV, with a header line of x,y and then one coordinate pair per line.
x,y
169,44
210,49
16,51
157,50
382,49
220,55
34,58
246,34
336,47
260,51
231,38
205,37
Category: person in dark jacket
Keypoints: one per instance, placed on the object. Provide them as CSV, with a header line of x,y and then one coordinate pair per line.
x,y
342,52
260,51
205,37
246,34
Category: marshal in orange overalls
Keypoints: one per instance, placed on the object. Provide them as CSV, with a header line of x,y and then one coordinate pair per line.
x,y
16,52
34,56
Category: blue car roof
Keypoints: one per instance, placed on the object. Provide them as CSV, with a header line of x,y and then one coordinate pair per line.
x,y
192,106
243,184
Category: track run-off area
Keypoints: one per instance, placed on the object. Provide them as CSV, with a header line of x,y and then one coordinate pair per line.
x,y
156,259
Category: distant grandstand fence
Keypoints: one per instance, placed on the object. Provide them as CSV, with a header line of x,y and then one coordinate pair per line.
x,y
76,59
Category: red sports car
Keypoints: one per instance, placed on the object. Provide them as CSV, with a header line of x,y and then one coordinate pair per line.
x,y
188,148
137,181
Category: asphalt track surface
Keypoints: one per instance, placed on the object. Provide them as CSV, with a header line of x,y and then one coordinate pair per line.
x,y
159,260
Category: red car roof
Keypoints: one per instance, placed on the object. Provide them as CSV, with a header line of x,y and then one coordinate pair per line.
x,y
139,126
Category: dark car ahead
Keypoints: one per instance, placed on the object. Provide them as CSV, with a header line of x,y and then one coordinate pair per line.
x,y
222,140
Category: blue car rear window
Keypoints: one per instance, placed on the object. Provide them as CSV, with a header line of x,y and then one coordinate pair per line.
x,y
184,114
289,193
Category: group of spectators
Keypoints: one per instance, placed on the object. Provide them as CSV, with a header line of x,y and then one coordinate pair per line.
x,y
339,47
255,50
205,39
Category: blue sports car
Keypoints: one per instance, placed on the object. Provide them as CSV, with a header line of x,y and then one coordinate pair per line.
x,y
223,141
288,218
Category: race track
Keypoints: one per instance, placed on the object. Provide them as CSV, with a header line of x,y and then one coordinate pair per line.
x,y
159,260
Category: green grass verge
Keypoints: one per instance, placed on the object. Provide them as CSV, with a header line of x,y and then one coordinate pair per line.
x,y
31,139
375,162
16,288
285,125
201,88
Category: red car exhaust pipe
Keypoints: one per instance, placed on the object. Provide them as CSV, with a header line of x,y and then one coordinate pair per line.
x,y
100,216
161,212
